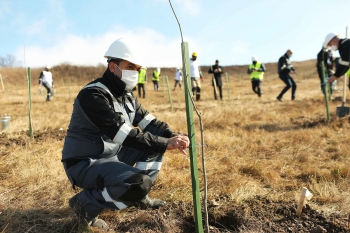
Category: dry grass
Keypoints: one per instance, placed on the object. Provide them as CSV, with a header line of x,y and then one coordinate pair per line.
x,y
253,147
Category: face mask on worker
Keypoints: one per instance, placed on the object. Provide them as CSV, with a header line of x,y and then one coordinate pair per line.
x,y
290,55
129,77
334,47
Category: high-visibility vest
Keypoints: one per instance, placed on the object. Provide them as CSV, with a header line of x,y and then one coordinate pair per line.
x,y
156,76
256,74
348,73
142,76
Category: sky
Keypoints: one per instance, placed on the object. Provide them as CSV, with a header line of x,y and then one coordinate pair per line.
x,y
40,32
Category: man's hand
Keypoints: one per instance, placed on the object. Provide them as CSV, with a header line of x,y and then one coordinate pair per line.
x,y
332,79
180,142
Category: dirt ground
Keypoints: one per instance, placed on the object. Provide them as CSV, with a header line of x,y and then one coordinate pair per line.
x,y
257,214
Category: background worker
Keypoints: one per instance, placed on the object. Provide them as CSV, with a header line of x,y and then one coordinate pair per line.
x,y
348,73
324,57
256,71
285,68
156,78
46,80
178,78
333,41
196,76
114,147
217,71
142,79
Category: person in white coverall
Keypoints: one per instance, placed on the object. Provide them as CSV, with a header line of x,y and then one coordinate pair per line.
x,y
45,79
196,76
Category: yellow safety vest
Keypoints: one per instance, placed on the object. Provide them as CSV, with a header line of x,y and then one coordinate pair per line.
x,y
156,76
348,73
256,74
142,76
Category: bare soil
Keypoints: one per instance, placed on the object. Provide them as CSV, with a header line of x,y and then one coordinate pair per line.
x,y
257,214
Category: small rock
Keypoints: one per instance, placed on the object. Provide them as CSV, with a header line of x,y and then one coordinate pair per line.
x,y
318,229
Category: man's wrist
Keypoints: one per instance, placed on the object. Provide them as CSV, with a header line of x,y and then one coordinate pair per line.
x,y
175,134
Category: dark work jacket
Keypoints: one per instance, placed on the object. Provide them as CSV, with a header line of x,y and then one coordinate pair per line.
x,y
323,56
217,75
284,65
344,51
101,117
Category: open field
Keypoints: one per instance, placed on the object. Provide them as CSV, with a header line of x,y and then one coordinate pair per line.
x,y
259,154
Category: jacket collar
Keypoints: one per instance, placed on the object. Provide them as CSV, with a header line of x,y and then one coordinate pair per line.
x,y
114,84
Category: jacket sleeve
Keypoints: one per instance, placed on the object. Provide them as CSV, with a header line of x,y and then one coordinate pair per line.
x,y
200,72
262,68
345,56
282,65
211,70
97,106
41,78
149,123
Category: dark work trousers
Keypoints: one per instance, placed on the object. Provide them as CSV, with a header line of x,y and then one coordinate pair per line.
x,y
176,83
139,87
155,85
288,80
323,83
103,179
219,88
48,89
256,83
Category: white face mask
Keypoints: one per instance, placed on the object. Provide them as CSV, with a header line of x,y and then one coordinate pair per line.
x,y
129,77
334,47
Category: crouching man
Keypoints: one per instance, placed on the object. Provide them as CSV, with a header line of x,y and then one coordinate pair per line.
x,y
114,148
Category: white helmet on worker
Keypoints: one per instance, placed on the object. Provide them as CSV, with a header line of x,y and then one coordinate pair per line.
x,y
254,58
47,66
158,69
121,49
328,39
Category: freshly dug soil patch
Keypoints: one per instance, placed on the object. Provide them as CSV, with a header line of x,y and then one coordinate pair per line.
x,y
254,215
39,136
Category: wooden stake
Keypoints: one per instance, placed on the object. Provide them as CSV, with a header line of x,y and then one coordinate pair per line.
x,y
228,86
304,196
169,92
30,103
2,83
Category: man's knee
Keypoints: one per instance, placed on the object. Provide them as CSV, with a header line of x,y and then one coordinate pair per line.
x,y
139,186
198,89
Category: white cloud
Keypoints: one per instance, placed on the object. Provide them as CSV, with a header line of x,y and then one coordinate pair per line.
x,y
5,8
156,49
190,6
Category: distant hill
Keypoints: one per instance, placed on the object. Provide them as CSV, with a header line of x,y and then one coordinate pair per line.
x,y
83,74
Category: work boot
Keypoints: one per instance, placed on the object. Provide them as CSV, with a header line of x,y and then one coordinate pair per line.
x,y
84,217
147,202
279,98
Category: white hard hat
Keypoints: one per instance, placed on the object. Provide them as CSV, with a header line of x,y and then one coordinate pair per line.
x,y
158,69
121,49
48,66
254,58
328,38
